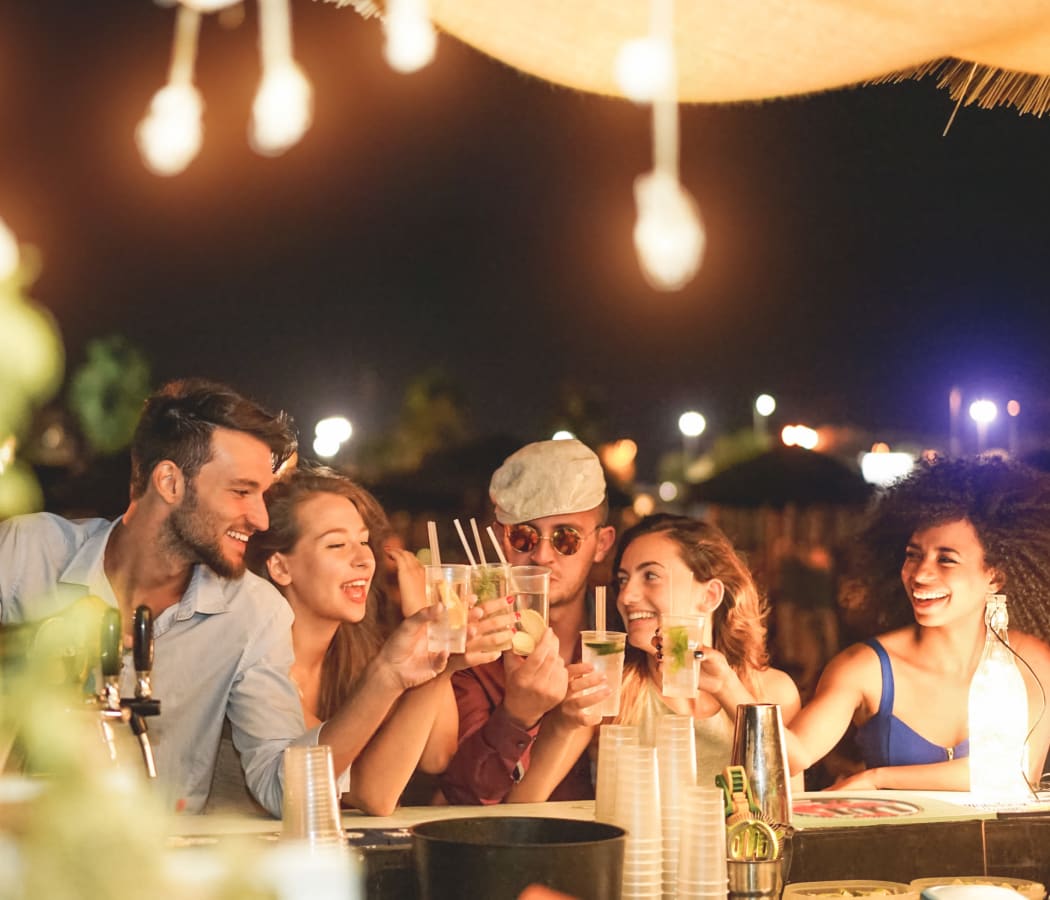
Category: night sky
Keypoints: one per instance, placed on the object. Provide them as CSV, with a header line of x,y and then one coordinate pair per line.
x,y
474,218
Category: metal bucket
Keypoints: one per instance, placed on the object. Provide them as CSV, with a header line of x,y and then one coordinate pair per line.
x,y
497,857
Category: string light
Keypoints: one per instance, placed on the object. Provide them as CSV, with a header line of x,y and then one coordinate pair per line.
x,y
283,106
668,233
170,136
9,256
644,69
282,110
410,37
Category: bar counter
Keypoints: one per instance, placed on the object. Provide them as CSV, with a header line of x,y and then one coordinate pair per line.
x,y
883,835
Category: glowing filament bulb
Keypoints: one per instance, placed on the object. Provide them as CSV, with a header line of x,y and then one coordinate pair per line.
x,y
645,69
8,252
206,6
668,234
170,135
410,38
282,110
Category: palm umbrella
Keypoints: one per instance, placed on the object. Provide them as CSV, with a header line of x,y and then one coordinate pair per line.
x,y
782,476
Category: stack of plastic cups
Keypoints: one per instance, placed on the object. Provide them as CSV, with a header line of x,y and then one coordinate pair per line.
x,y
676,758
702,852
638,813
610,739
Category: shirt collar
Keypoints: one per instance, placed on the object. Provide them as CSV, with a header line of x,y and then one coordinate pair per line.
x,y
204,594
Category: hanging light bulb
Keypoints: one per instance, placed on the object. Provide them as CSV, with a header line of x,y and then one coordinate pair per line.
x,y
283,106
282,109
410,37
668,233
171,134
206,6
9,258
644,69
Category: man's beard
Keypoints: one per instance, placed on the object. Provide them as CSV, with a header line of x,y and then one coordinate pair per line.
x,y
196,537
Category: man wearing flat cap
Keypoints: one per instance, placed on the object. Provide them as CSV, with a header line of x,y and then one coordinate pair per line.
x,y
521,718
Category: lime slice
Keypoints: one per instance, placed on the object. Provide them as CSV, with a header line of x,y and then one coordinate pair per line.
x,y
522,643
532,624
678,646
604,648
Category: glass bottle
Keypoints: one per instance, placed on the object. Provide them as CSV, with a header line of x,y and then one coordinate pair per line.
x,y
998,716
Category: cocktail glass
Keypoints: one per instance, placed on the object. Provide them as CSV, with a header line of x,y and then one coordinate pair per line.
x,y
604,651
448,588
491,581
681,637
530,586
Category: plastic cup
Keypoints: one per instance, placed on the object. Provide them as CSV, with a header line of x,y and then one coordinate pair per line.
x,y
530,586
490,581
448,588
604,650
702,848
310,811
637,797
610,739
681,637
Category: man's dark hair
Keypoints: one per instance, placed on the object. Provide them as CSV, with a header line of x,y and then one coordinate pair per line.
x,y
179,418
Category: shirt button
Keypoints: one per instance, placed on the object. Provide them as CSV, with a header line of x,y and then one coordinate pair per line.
x,y
520,745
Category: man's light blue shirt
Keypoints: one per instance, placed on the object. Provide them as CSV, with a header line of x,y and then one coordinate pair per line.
x,y
225,650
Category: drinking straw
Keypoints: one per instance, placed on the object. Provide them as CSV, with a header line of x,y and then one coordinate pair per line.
x,y
463,539
435,552
495,543
599,608
477,541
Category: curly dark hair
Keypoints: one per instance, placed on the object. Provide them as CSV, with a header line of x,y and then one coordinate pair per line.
x,y
1008,505
177,424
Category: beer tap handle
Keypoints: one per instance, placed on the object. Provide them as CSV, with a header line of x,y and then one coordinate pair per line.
x,y
142,641
142,704
110,646
110,643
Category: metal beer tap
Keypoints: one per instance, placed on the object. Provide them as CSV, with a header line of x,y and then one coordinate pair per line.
x,y
115,709
143,704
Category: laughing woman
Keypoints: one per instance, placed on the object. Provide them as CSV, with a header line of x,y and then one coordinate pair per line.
x,y
318,553
951,533
696,561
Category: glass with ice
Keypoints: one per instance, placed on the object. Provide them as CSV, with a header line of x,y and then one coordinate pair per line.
x,y
530,587
681,638
448,588
604,651
490,581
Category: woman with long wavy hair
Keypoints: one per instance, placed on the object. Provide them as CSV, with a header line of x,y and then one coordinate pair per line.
x,y
696,561
318,552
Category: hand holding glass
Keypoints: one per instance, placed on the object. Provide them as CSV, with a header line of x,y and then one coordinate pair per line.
x,y
448,588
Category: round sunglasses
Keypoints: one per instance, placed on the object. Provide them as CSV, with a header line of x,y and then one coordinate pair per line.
x,y
565,539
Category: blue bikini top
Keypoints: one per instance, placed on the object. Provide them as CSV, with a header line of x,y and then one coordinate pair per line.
x,y
885,740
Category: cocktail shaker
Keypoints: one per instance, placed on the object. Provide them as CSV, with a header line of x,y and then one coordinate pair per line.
x,y
759,746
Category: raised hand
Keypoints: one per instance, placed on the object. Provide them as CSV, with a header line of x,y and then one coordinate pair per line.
x,y
489,632
583,700
405,651
411,580
536,683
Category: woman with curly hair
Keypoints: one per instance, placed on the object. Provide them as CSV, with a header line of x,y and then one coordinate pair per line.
x,y
695,560
955,531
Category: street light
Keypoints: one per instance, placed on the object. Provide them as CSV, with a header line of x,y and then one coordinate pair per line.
x,y
761,410
692,425
1013,410
330,434
983,412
